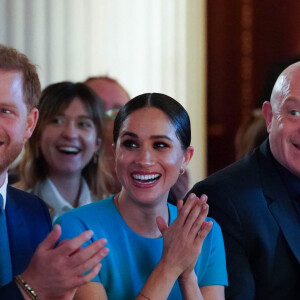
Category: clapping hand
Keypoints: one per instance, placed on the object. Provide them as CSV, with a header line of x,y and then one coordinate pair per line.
x,y
55,273
183,240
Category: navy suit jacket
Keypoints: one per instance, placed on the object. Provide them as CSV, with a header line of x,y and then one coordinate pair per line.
x,y
260,226
28,223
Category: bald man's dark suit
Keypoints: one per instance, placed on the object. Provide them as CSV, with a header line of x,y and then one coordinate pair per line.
x,y
260,225
28,223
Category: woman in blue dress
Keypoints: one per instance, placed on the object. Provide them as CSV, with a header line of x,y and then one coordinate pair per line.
x,y
157,251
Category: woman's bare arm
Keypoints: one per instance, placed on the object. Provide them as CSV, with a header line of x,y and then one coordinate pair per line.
x,y
91,291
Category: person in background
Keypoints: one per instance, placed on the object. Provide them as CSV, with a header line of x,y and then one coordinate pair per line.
x,y
256,202
250,134
114,96
30,265
61,162
153,253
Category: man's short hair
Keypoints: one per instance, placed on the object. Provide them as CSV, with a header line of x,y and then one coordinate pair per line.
x,y
109,79
13,60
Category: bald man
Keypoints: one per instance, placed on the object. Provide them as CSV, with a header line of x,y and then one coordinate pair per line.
x,y
257,203
114,96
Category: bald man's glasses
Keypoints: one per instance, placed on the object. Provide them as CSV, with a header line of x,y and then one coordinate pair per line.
x,y
111,113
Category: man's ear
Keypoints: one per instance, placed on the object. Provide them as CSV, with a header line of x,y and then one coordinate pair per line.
x,y
268,113
32,118
187,156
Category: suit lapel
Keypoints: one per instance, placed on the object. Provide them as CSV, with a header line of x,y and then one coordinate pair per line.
x,y
18,233
280,204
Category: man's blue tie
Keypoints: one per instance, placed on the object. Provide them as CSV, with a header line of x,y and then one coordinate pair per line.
x,y
5,260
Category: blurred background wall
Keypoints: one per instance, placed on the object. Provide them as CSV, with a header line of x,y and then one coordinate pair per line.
x,y
219,58
147,45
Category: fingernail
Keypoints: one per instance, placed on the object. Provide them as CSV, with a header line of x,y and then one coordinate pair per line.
x,y
192,196
203,197
104,251
104,241
90,233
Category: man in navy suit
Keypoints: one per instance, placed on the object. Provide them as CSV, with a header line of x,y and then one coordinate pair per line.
x,y
257,203
30,253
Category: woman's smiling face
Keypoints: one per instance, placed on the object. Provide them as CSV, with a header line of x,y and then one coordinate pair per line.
x,y
148,155
69,141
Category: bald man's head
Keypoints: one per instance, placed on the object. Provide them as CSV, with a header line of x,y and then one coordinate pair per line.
x,y
109,90
114,96
288,80
282,116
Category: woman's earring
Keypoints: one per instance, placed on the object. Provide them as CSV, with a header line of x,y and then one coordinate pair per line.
x,y
96,157
182,171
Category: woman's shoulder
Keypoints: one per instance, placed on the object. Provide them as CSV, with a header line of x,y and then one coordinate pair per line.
x,y
216,225
215,232
92,210
95,216
102,204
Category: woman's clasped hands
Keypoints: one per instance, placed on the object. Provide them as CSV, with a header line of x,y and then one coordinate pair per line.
x,y
183,240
